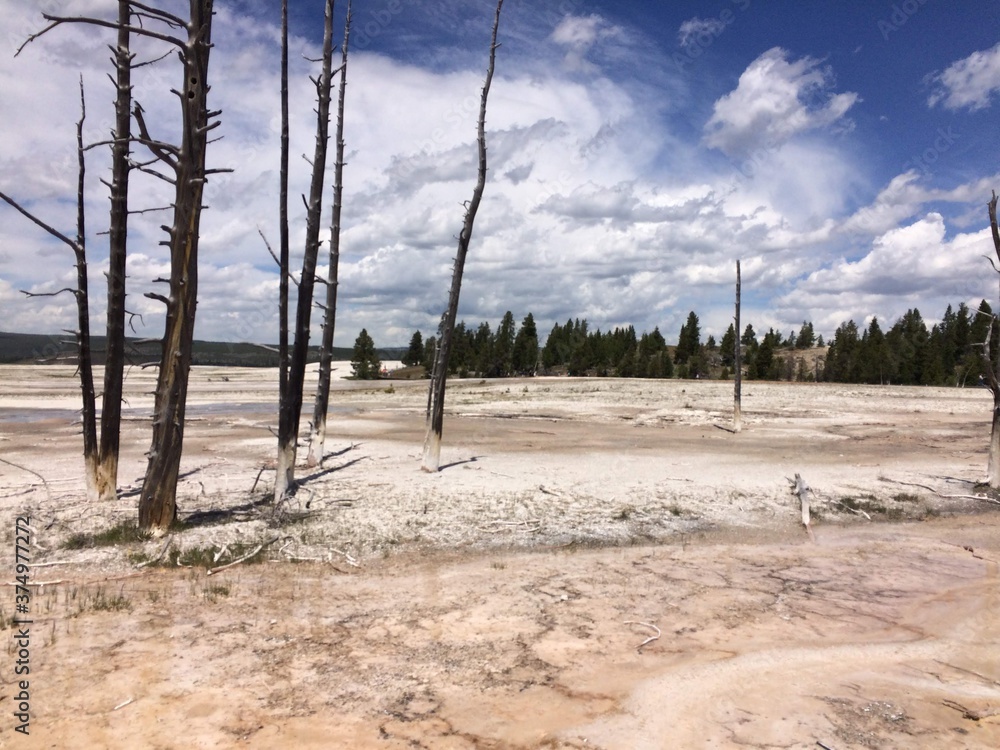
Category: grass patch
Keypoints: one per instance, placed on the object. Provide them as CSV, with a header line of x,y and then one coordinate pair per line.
x,y
104,603
126,532
216,591
905,497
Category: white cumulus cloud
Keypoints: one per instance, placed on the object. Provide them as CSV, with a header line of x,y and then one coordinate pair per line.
x,y
775,100
968,83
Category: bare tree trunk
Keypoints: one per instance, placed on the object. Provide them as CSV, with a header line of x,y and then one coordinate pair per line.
x,y
286,416
288,426
91,457
317,442
993,369
114,365
158,499
91,453
435,411
738,363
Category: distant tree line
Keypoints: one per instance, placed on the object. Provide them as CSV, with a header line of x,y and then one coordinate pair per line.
x,y
950,353
908,353
482,352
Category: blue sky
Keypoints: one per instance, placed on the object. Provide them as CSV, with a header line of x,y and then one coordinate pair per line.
x,y
844,151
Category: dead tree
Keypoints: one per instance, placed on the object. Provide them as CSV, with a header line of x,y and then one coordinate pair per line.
x,y
158,498
317,440
738,362
290,413
439,376
102,465
114,363
82,333
993,368
284,401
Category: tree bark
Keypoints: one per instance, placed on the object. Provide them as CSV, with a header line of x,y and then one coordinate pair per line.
x,y
85,360
317,442
158,498
738,363
91,457
286,417
435,410
993,369
288,426
114,366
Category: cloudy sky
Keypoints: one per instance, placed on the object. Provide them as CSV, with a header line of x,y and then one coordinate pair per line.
x,y
844,150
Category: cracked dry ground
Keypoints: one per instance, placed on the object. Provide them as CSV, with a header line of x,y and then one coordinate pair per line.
x,y
875,637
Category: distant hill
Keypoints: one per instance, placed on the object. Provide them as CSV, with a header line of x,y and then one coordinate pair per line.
x,y
35,348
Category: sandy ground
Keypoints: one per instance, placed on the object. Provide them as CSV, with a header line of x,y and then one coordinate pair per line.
x,y
506,601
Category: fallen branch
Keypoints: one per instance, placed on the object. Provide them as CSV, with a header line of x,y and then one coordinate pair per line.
x,y
56,562
123,704
40,584
163,551
48,492
858,511
256,551
645,625
347,558
968,713
941,495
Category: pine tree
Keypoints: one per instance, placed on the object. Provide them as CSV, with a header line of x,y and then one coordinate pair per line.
x,y
689,340
525,355
415,353
365,362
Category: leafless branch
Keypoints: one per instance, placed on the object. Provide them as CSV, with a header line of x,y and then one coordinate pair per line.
x,y
55,21
48,228
246,557
48,294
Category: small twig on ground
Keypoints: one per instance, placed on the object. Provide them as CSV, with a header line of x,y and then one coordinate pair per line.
x,y
823,745
858,511
968,713
645,625
941,495
163,551
56,562
48,492
123,704
262,470
347,558
262,545
40,584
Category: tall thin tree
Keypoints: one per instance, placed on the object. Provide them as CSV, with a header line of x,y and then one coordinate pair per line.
x,y
288,424
114,363
435,406
738,363
85,369
993,368
317,440
158,497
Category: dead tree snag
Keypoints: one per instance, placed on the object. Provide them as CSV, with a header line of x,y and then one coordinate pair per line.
x,y
158,499
289,416
317,441
992,368
738,363
435,405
